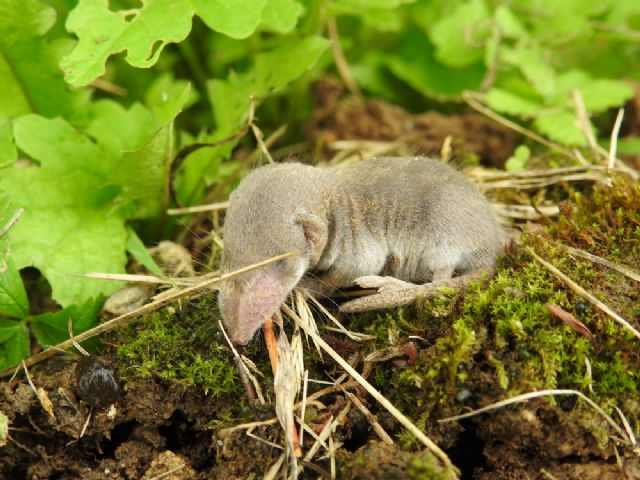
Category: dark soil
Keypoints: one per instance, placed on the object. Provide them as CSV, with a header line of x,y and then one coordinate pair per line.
x,y
160,427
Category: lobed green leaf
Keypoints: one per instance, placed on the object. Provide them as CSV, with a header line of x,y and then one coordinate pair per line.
x,y
29,77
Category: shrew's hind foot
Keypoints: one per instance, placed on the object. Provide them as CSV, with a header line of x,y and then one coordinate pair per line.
x,y
382,284
408,295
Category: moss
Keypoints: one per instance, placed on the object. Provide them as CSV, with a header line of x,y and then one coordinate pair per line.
x,y
425,468
185,347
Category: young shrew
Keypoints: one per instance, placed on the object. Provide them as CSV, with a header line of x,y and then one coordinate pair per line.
x,y
379,223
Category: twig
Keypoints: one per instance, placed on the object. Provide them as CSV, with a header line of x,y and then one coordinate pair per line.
x,y
371,418
257,133
106,86
627,427
584,294
79,347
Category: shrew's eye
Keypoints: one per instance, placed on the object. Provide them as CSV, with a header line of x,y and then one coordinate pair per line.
x,y
281,264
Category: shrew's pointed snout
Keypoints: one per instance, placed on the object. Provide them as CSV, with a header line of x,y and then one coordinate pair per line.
x,y
245,307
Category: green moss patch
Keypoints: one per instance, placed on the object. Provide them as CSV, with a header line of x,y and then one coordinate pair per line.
x,y
184,346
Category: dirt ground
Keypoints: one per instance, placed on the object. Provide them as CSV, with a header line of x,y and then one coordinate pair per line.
x,y
163,428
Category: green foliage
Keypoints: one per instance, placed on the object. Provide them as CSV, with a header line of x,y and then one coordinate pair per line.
x,y
145,31
519,159
526,57
29,76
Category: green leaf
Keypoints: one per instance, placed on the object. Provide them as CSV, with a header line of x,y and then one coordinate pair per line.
x,y
8,152
534,66
143,173
598,94
358,5
507,102
164,91
272,71
29,77
142,32
459,36
53,328
415,64
561,127
510,25
383,20
136,248
120,129
628,146
13,298
281,15
519,159
14,342
235,18
373,76
69,226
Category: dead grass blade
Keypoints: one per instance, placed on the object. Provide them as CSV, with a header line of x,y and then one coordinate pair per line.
x,y
615,131
245,375
577,289
599,260
211,207
404,421
356,336
525,212
541,393
371,418
341,62
40,393
470,98
585,124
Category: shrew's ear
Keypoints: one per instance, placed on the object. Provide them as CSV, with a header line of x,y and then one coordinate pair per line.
x,y
315,233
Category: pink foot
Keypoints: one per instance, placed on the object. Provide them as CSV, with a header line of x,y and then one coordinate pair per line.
x,y
382,284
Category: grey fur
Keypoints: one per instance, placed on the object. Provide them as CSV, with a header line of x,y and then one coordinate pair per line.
x,y
402,217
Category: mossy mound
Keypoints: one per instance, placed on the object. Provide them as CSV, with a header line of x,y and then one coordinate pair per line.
x,y
500,339
496,340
